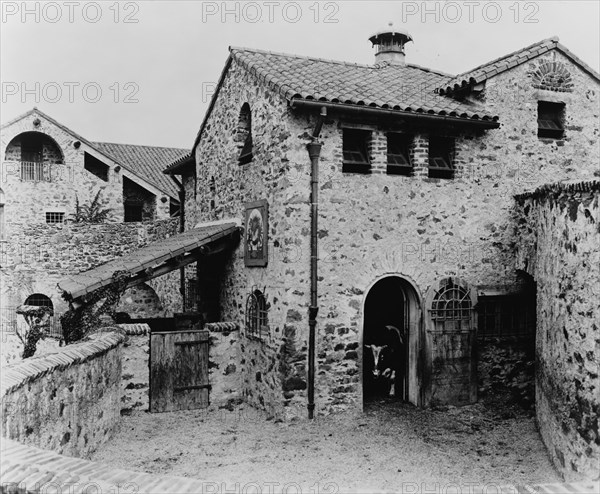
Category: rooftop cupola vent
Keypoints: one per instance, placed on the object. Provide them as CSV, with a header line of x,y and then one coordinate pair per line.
x,y
390,45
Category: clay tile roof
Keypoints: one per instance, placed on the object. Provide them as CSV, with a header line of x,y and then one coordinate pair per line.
x,y
148,257
483,72
404,88
146,161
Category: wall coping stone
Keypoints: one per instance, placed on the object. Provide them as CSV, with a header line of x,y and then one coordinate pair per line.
x,y
17,375
556,189
25,466
222,327
135,328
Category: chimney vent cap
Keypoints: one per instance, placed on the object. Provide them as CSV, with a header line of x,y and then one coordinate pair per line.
x,y
390,31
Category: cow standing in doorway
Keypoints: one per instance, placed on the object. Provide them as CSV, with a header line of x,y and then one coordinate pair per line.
x,y
388,362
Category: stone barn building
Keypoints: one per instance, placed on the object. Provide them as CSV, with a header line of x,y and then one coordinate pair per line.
x,y
387,194
47,169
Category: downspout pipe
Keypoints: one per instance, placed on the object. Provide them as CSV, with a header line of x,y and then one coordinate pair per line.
x,y
181,230
314,153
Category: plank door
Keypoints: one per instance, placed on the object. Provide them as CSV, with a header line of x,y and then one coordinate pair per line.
x,y
179,370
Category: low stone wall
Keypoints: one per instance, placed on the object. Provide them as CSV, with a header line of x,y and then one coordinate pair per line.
x,y
68,401
224,364
558,237
505,369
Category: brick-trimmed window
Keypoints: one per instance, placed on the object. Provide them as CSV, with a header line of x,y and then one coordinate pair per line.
x,y
441,157
356,151
551,120
398,154
55,217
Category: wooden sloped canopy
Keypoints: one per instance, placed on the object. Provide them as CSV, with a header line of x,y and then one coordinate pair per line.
x,y
153,260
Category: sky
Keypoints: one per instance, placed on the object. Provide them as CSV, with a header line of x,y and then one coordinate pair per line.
x,y
142,72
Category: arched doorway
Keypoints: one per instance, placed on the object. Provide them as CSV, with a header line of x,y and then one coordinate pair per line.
x,y
392,322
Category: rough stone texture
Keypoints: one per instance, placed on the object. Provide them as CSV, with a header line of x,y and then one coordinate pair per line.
x,y
371,225
67,401
140,301
34,258
224,367
558,245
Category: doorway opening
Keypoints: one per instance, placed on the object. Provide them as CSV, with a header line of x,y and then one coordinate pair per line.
x,y
391,341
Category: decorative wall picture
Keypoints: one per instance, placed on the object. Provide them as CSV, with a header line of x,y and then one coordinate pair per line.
x,y
256,236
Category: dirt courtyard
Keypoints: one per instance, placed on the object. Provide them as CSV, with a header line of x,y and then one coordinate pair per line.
x,y
392,446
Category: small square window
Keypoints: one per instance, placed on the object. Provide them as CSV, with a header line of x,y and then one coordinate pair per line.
x,y
356,151
398,157
54,218
550,120
441,157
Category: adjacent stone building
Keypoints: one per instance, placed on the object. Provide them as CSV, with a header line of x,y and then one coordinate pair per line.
x,y
48,170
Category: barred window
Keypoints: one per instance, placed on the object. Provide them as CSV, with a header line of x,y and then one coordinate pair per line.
x,y
54,217
451,309
257,324
191,295
39,300
35,171
506,316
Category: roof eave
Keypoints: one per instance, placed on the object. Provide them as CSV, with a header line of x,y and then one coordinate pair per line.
x,y
486,123
177,167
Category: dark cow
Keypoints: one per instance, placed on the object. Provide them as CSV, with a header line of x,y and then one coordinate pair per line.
x,y
388,362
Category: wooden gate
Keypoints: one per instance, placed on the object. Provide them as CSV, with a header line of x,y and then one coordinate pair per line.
x,y
179,370
451,338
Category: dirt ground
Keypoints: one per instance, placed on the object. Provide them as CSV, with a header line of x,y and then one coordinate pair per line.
x,y
390,444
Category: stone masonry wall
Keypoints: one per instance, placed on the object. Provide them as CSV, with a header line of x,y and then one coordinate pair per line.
x,y
373,225
36,257
68,401
276,363
559,235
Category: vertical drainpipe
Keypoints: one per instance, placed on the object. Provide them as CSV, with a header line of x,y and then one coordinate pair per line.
x,y
314,153
181,193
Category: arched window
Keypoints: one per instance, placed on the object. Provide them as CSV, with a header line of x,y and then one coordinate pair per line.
x,y
38,155
257,323
451,309
39,300
244,134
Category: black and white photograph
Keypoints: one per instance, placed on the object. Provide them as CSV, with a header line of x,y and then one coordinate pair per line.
x,y
300,247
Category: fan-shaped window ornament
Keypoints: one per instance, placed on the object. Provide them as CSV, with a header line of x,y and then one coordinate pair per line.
x,y
551,75
451,309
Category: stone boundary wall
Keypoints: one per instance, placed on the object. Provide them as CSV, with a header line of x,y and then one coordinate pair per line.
x,y
35,257
558,238
67,401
